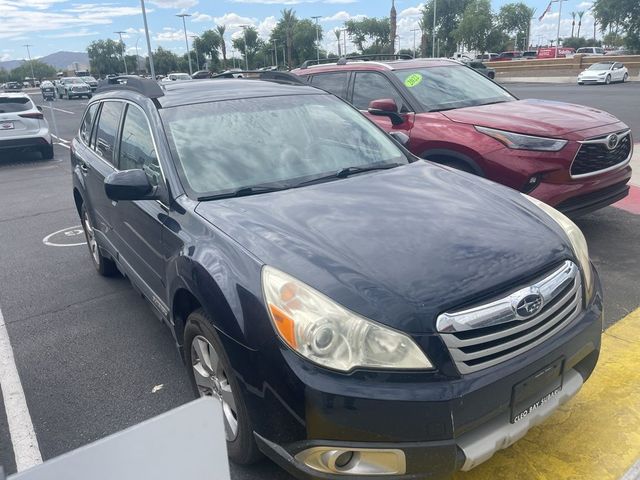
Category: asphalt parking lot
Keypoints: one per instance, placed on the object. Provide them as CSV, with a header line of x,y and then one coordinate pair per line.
x,y
93,359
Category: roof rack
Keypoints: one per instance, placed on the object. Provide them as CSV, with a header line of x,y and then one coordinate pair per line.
x,y
145,86
344,60
266,75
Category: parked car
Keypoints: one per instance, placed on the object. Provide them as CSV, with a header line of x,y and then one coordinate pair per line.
x,y
328,287
554,151
48,90
91,81
604,72
23,126
13,87
590,51
176,77
73,87
483,69
487,57
530,54
201,74
504,56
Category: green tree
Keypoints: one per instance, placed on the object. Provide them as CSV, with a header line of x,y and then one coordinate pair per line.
x,y
497,40
4,75
337,33
40,70
573,22
373,32
165,61
448,16
301,38
476,23
209,44
221,30
514,19
580,15
105,56
613,39
248,45
288,23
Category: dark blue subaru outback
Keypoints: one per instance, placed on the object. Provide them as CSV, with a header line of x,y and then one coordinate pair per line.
x,y
360,313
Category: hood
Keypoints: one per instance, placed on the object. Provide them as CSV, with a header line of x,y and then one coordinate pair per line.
x,y
399,246
533,117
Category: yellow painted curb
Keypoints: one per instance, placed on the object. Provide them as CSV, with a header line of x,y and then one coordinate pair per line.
x,y
596,435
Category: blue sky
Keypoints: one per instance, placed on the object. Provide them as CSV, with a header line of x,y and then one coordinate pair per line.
x,y
53,25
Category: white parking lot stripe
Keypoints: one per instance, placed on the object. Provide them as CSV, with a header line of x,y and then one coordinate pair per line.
x,y
60,110
23,436
60,139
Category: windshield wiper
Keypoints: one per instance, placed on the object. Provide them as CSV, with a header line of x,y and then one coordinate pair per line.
x,y
246,191
347,171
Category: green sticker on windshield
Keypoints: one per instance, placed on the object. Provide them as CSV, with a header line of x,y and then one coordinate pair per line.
x,y
413,80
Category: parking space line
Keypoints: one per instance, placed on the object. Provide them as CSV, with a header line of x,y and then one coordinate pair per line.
x,y
60,110
60,139
23,436
594,436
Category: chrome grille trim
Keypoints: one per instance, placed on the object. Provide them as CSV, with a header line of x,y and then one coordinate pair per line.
x,y
476,347
602,140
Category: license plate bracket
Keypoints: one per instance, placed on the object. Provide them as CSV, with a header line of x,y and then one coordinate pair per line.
x,y
7,126
534,391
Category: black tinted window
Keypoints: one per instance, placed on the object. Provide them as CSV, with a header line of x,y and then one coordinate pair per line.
x,y
87,123
335,83
107,128
9,105
136,146
370,86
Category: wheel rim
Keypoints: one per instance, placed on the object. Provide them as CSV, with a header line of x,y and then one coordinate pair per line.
x,y
91,238
212,381
608,80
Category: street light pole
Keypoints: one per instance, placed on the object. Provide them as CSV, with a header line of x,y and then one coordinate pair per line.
x,y
558,32
186,39
124,59
195,47
414,40
33,78
317,38
433,40
275,49
146,32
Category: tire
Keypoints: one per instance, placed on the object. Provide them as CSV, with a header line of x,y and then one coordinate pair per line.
x,y
453,163
201,340
625,78
580,83
608,80
47,152
104,265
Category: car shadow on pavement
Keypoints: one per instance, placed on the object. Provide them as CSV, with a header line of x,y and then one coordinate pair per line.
x,y
612,236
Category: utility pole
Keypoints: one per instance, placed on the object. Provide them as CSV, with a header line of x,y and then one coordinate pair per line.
x,y
246,47
146,31
558,32
195,47
33,78
317,38
186,39
124,59
414,40
433,40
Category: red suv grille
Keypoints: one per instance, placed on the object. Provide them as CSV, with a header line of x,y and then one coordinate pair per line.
x,y
595,155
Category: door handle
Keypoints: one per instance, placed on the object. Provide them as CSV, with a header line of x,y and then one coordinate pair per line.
x,y
84,167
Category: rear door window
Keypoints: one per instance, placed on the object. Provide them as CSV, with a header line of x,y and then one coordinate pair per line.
x,y
107,128
13,104
335,83
370,86
87,123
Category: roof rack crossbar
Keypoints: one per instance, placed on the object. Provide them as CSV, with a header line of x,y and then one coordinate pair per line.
x,y
344,60
145,86
268,76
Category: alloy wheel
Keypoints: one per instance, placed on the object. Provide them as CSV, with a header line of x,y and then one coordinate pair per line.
x,y
212,381
91,238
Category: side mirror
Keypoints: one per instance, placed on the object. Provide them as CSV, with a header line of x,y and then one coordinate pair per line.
x,y
400,137
386,107
129,185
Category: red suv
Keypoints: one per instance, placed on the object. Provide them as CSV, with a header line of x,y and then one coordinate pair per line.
x,y
572,157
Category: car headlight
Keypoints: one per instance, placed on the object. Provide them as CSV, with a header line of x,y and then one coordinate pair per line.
x,y
330,335
578,242
602,73
519,141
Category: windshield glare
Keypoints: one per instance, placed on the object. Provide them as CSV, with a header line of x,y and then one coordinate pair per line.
x,y
224,146
600,66
452,86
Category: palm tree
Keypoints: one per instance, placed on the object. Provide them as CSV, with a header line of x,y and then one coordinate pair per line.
x,y
573,22
223,45
580,14
337,31
422,25
289,21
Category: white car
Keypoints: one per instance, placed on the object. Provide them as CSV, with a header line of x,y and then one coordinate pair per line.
x,y
23,126
176,77
590,51
604,72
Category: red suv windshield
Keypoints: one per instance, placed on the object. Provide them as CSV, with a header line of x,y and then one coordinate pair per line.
x,y
449,87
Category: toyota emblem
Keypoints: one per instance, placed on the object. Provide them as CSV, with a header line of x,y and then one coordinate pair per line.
x,y
612,141
528,306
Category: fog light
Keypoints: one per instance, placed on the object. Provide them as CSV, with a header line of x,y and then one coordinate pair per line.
x,y
532,183
354,461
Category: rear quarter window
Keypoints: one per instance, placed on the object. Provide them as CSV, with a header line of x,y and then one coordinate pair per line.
x,y
10,105
335,83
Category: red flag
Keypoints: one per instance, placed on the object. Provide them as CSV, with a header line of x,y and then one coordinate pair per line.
x,y
547,10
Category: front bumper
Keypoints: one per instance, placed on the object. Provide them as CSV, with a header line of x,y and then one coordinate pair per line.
x,y
592,79
440,424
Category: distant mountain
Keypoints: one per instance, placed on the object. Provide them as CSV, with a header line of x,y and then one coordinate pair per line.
x,y
58,60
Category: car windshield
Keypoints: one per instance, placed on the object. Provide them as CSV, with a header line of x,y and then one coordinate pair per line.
x,y
600,66
222,147
449,87
13,104
74,80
